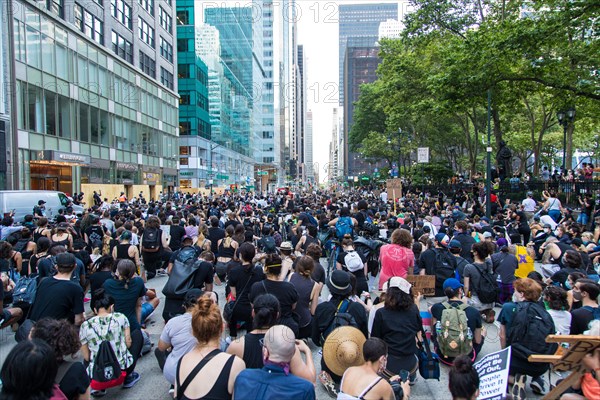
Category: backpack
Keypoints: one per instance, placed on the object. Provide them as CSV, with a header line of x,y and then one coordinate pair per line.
x,y
443,267
182,276
340,318
269,246
151,240
353,261
25,290
455,338
530,325
595,311
213,212
106,371
343,227
488,289
312,220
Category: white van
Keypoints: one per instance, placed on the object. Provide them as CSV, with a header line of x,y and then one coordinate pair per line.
x,y
21,202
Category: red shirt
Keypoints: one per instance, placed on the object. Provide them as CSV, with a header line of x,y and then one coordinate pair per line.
x,y
395,260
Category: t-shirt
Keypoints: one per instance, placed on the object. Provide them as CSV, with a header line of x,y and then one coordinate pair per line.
x,y
58,299
111,328
94,233
474,274
75,381
398,329
284,291
562,321
473,316
318,274
178,334
126,299
177,233
580,321
395,260
505,265
214,235
239,276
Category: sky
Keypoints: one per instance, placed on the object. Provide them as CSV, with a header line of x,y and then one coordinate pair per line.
x,y
318,32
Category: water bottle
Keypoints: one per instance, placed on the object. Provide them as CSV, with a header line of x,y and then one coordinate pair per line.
x,y
469,334
438,328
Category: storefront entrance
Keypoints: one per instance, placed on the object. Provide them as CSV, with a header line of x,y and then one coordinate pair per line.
x,y
51,177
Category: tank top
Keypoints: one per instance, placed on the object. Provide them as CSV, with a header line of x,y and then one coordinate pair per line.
x,y
361,396
307,242
253,350
64,242
219,389
38,234
563,249
123,252
226,251
304,288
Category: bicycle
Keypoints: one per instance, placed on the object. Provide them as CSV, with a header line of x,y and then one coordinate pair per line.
x,y
333,254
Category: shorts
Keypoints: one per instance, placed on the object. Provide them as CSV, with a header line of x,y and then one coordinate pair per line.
x,y
147,309
5,315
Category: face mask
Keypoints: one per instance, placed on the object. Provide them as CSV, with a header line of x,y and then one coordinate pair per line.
x,y
515,298
577,296
568,285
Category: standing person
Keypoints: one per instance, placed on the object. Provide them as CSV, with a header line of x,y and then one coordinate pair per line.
x,y
396,258
524,322
127,290
110,326
529,205
504,265
64,339
398,323
207,372
350,260
473,278
284,291
241,279
308,295
274,380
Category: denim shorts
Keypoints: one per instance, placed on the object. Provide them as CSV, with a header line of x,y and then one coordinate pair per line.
x,y
147,309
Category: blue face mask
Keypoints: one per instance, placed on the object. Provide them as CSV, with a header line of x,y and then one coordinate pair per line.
x,y
568,285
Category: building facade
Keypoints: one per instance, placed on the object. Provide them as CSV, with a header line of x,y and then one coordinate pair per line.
x,y
299,134
312,168
360,20
96,102
390,29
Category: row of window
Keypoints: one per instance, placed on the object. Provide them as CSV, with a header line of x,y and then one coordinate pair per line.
x,y
186,98
146,33
147,64
165,20
186,71
148,5
202,128
122,47
166,78
166,50
122,12
89,24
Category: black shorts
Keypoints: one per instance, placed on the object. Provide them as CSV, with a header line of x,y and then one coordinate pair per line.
x,y
5,315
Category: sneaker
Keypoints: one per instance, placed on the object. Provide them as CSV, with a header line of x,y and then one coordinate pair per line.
x,y
518,388
412,379
328,384
172,389
538,386
98,393
161,272
131,380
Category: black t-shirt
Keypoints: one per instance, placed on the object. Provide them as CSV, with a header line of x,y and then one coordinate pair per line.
x,y
126,299
318,274
398,329
239,276
214,235
98,278
284,291
75,382
177,232
58,299
360,218
94,233
580,320
204,275
304,218
473,316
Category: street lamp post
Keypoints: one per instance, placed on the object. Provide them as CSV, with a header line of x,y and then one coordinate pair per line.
x,y
564,119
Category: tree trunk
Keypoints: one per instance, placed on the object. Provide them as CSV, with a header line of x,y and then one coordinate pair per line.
x,y
569,149
497,128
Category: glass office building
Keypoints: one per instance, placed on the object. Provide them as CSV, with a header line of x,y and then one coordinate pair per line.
x,y
96,99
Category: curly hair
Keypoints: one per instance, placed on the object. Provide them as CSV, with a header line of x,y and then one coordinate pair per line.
x,y
59,334
402,237
396,299
556,297
5,250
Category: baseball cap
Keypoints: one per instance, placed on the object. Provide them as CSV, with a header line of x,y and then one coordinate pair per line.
x,y
487,235
454,244
400,283
486,219
452,283
442,239
502,242
40,202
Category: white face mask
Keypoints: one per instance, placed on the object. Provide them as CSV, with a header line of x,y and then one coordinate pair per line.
x,y
515,297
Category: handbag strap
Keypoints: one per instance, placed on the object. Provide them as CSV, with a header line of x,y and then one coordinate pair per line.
x,y
181,388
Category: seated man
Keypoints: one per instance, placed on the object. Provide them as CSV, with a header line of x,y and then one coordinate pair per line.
x,y
8,316
274,380
449,347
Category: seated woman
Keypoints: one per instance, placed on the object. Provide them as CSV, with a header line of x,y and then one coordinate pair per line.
x,y
249,348
207,372
399,324
62,336
463,380
359,381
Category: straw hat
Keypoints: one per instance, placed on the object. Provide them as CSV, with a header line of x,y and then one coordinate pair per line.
x,y
343,349
286,246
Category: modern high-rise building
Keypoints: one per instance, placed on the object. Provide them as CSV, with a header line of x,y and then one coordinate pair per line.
x,y
299,134
95,100
311,166
333,162
6,159
360,20
390,29
287,87
360,67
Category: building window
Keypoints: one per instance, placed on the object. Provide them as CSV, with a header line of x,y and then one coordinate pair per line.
x,y
56,7
183,161
166,50
183,17
122,47
185,150
183,71
166,78
89,24
202,77
202,102
148,6
147,64
165,20
184,128
146,33
183,45
122,12
184,99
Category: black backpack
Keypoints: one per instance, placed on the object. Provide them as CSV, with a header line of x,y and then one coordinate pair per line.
x,y
444,267
340,318
269,245
183,273
488,289
151,240
530,325
106,364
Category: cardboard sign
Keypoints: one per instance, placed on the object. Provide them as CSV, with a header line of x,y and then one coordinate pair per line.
x,y
424,284
493,375
394,188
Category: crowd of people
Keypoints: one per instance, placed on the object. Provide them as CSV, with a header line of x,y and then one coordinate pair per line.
x,y
294,275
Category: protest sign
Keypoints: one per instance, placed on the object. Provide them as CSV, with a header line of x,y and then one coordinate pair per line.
x,y
424,284
493,375
394,188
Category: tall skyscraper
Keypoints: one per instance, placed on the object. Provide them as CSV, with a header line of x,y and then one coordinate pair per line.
x,y
359,21
299,138
6,161
311,167
287,87
96,103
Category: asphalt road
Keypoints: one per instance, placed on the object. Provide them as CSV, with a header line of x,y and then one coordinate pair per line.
x,y
153,386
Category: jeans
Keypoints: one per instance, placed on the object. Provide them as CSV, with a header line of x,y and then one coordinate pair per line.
x,y
583,219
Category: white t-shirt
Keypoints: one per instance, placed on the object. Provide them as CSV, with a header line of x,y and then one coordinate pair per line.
x,y
528,205
562,321
546,219
384,196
